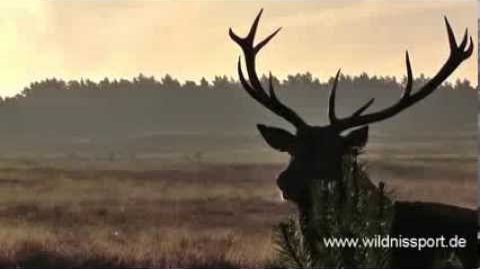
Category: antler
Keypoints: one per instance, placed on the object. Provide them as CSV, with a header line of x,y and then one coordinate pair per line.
x,y
253,86
458,54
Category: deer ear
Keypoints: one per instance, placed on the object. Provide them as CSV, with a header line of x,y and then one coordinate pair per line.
x,y
277,138
357,138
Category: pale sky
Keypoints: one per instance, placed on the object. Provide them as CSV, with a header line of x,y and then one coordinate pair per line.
x,y
189,39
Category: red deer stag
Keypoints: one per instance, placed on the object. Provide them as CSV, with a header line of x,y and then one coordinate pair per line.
x,y
316,151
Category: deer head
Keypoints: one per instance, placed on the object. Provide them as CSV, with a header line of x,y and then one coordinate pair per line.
x,y
316,151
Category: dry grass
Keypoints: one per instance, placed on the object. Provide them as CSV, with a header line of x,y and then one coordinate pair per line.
x,y
94,246
215,216
451,181
208,216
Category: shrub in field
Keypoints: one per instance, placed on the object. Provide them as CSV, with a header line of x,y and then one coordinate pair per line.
x,y
341,209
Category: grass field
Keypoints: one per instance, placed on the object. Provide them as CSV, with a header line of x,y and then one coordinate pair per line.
x,y
213,216
197,216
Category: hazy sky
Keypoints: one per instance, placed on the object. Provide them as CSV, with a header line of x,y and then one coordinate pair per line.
x,y
188,39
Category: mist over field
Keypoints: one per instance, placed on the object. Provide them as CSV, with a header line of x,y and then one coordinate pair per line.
x,y
146,118
150,124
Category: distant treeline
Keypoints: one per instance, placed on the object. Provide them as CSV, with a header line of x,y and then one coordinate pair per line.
x,y
85,87
145,114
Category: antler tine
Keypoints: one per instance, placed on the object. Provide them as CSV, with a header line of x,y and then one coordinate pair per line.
x,y
462,52
363,108
408,88
253,86
464,40
331,100
247,42
249,50
458,54
261,44
451,35
271,91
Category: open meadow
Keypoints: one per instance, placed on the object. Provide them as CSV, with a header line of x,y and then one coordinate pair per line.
x,y
211,216
193,215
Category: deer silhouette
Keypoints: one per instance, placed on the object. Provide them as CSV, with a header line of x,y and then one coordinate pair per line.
x,y
317,151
